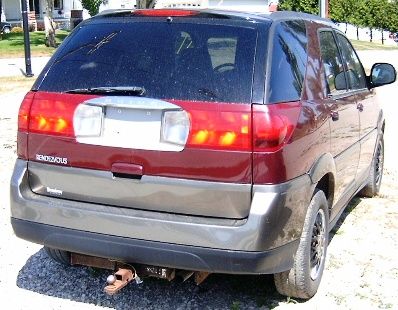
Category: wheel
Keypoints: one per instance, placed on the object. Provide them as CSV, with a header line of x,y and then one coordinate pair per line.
x,y
302,281
60,256
372,188
6,30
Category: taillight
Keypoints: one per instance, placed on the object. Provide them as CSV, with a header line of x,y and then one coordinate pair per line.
x,y
24,110
53,117
23,125
219,126
239,127
60,115
273,125
220,130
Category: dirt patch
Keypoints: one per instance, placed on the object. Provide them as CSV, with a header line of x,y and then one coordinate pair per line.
x,y
9,85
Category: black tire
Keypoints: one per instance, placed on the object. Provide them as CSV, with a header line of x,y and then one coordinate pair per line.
x,y
59,256
372,188
302,281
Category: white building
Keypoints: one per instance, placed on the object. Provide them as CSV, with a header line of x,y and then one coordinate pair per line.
x,y
62,8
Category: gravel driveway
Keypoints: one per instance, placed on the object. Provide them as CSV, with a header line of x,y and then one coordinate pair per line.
x,y
361,269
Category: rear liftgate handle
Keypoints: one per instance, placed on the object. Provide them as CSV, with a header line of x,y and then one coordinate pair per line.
x,y
127,171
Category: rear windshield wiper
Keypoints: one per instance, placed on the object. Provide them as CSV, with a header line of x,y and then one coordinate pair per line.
x,y
116,90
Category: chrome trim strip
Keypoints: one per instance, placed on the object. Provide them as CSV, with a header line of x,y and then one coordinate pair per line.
x,y
130,102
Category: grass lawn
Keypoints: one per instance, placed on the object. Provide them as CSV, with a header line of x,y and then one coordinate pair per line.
x,y
365,45
12,44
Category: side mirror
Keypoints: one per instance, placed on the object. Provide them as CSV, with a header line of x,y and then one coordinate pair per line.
x,y
382,74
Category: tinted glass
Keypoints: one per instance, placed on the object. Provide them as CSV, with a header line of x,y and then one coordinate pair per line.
x,y
171,61
289,59
356,73
334,69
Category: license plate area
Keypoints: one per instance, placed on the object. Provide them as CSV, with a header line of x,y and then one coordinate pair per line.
x,y
131,124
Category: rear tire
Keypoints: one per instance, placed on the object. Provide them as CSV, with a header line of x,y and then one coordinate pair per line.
x,y
59,256
6,30
372,188
302,281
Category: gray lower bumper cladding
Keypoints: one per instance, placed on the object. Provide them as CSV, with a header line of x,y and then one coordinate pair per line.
x,y
158,253
264,242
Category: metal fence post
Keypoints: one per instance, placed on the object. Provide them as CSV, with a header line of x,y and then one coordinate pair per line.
x,y
28,61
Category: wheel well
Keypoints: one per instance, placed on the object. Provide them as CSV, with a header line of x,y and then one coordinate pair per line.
x,y
326,184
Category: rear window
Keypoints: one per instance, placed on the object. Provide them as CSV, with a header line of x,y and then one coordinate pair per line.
x,y
171,61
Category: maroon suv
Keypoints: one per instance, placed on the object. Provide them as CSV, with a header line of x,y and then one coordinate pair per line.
x,y
199,140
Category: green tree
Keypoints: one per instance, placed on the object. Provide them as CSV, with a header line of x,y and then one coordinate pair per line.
x,y
92,6
384,16
307,6
343,11
392,16
374,15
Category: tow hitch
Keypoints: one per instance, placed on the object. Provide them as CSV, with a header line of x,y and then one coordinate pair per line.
x,y
126,273
119,280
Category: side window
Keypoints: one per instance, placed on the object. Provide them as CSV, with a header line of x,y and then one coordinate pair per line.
x,y
289,60
334,69
356,74
222,52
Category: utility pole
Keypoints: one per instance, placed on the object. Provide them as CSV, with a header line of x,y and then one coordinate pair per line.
x,y
25,26
324,8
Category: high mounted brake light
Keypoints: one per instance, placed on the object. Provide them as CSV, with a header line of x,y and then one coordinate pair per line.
x,y
165,13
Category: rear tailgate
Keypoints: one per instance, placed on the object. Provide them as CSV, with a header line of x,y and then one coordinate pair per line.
x,y
111,169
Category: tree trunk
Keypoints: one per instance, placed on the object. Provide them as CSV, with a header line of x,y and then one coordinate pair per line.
x,y
371,35
346,26
382,37
49,24
357,33
145,4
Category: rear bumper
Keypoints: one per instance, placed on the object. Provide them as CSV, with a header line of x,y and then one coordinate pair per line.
x,y
152,253
264,242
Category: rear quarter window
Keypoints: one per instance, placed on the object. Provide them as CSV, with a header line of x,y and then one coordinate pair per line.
x,y
289,59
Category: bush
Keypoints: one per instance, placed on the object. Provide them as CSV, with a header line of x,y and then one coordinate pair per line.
x,y
16,30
